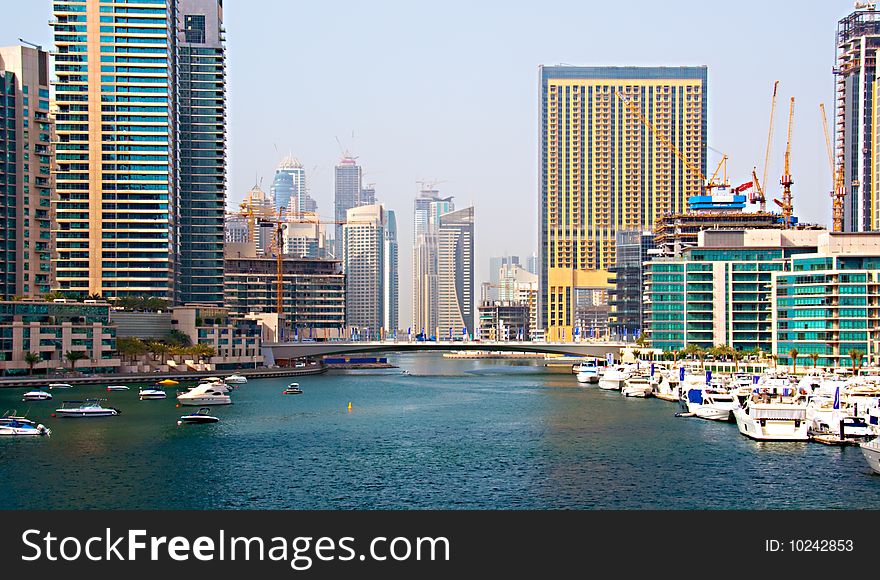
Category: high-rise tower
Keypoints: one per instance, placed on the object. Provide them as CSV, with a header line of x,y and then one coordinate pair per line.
x,y
604,169
348,185
25,181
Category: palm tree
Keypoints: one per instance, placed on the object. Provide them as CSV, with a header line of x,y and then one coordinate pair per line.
x,y
774,358
737,356
157,349
205,351
130,347
31,358
815,357
73,356
793,353
856,356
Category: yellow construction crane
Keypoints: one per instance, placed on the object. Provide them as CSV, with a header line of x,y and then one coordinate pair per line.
x,y
839,192
759,187
278,245
786,181
669,144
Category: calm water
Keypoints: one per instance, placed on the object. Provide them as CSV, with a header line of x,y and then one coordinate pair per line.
x,y
459,434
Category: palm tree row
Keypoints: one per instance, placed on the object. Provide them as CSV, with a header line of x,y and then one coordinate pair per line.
x,y
134,348
725,352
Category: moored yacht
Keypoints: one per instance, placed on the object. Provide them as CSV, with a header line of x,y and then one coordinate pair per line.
x,y
236,379
60,386
205,394
711,403
588,373
871,451
639,386
36,396
614,378
148,393
87,408
774,416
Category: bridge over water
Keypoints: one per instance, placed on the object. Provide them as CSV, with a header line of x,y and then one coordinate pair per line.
x,y
288,350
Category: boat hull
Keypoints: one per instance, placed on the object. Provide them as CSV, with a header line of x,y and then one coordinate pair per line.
x,y
80,414
712,413
203,401
25,431
193,419
871,451
771,429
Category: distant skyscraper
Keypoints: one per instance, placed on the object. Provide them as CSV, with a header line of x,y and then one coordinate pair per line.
x,y
25,165
532,263
289,188
455,273
391,284
367,196
236,229
139,211
604,169
348,176
495,264
258,205
202,147
363,262
429,206
858,39
305,237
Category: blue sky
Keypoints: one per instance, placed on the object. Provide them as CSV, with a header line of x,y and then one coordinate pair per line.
x,y
449,91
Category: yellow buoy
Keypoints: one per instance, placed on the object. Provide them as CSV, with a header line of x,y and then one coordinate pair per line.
x,y
349,406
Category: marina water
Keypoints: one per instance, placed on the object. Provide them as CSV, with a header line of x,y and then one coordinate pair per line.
x,y
446,434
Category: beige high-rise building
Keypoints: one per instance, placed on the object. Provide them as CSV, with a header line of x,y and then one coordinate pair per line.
x,y
608,162
25,179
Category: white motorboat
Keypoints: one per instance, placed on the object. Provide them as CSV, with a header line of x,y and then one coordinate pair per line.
x,y
667,388
774,417
36,396
712,404
60,386
588,373
292,389
203,415
148,393
637,387
117,388
87,408
614,378
871,451
12,425
236,380
216,385
205,394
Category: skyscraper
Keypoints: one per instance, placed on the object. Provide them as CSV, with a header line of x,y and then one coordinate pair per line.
x,y
858,39
363,262
202,148
139,90
367,196
429,206
603,169
455,274
495,265
348,177
391,283
25,186
289,188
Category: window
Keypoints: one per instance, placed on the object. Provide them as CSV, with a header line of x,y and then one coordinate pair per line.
x,y
194,28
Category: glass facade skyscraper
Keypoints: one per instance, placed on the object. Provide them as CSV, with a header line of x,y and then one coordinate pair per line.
x,y
25,181
604,169
347,193
140,148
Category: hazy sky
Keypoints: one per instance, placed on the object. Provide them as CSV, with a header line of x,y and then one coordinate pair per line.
x,y
448,91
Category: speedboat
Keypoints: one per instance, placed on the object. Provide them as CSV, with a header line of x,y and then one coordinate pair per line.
x,y
60,386
637,387
774,416
117,388
236,379
206,394
201,416
88,408
147,393
36,396
712,404
21,427
871,451
293,389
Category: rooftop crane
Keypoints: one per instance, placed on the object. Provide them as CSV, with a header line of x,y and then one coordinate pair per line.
x,y
278,242
759,197
786,181
839,192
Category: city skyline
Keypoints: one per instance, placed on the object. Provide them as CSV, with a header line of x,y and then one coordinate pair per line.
x,y
424,131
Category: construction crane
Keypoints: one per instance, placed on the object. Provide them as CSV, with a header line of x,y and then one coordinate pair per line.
x,y
786,181
669,144
839,192
760,198
278,223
